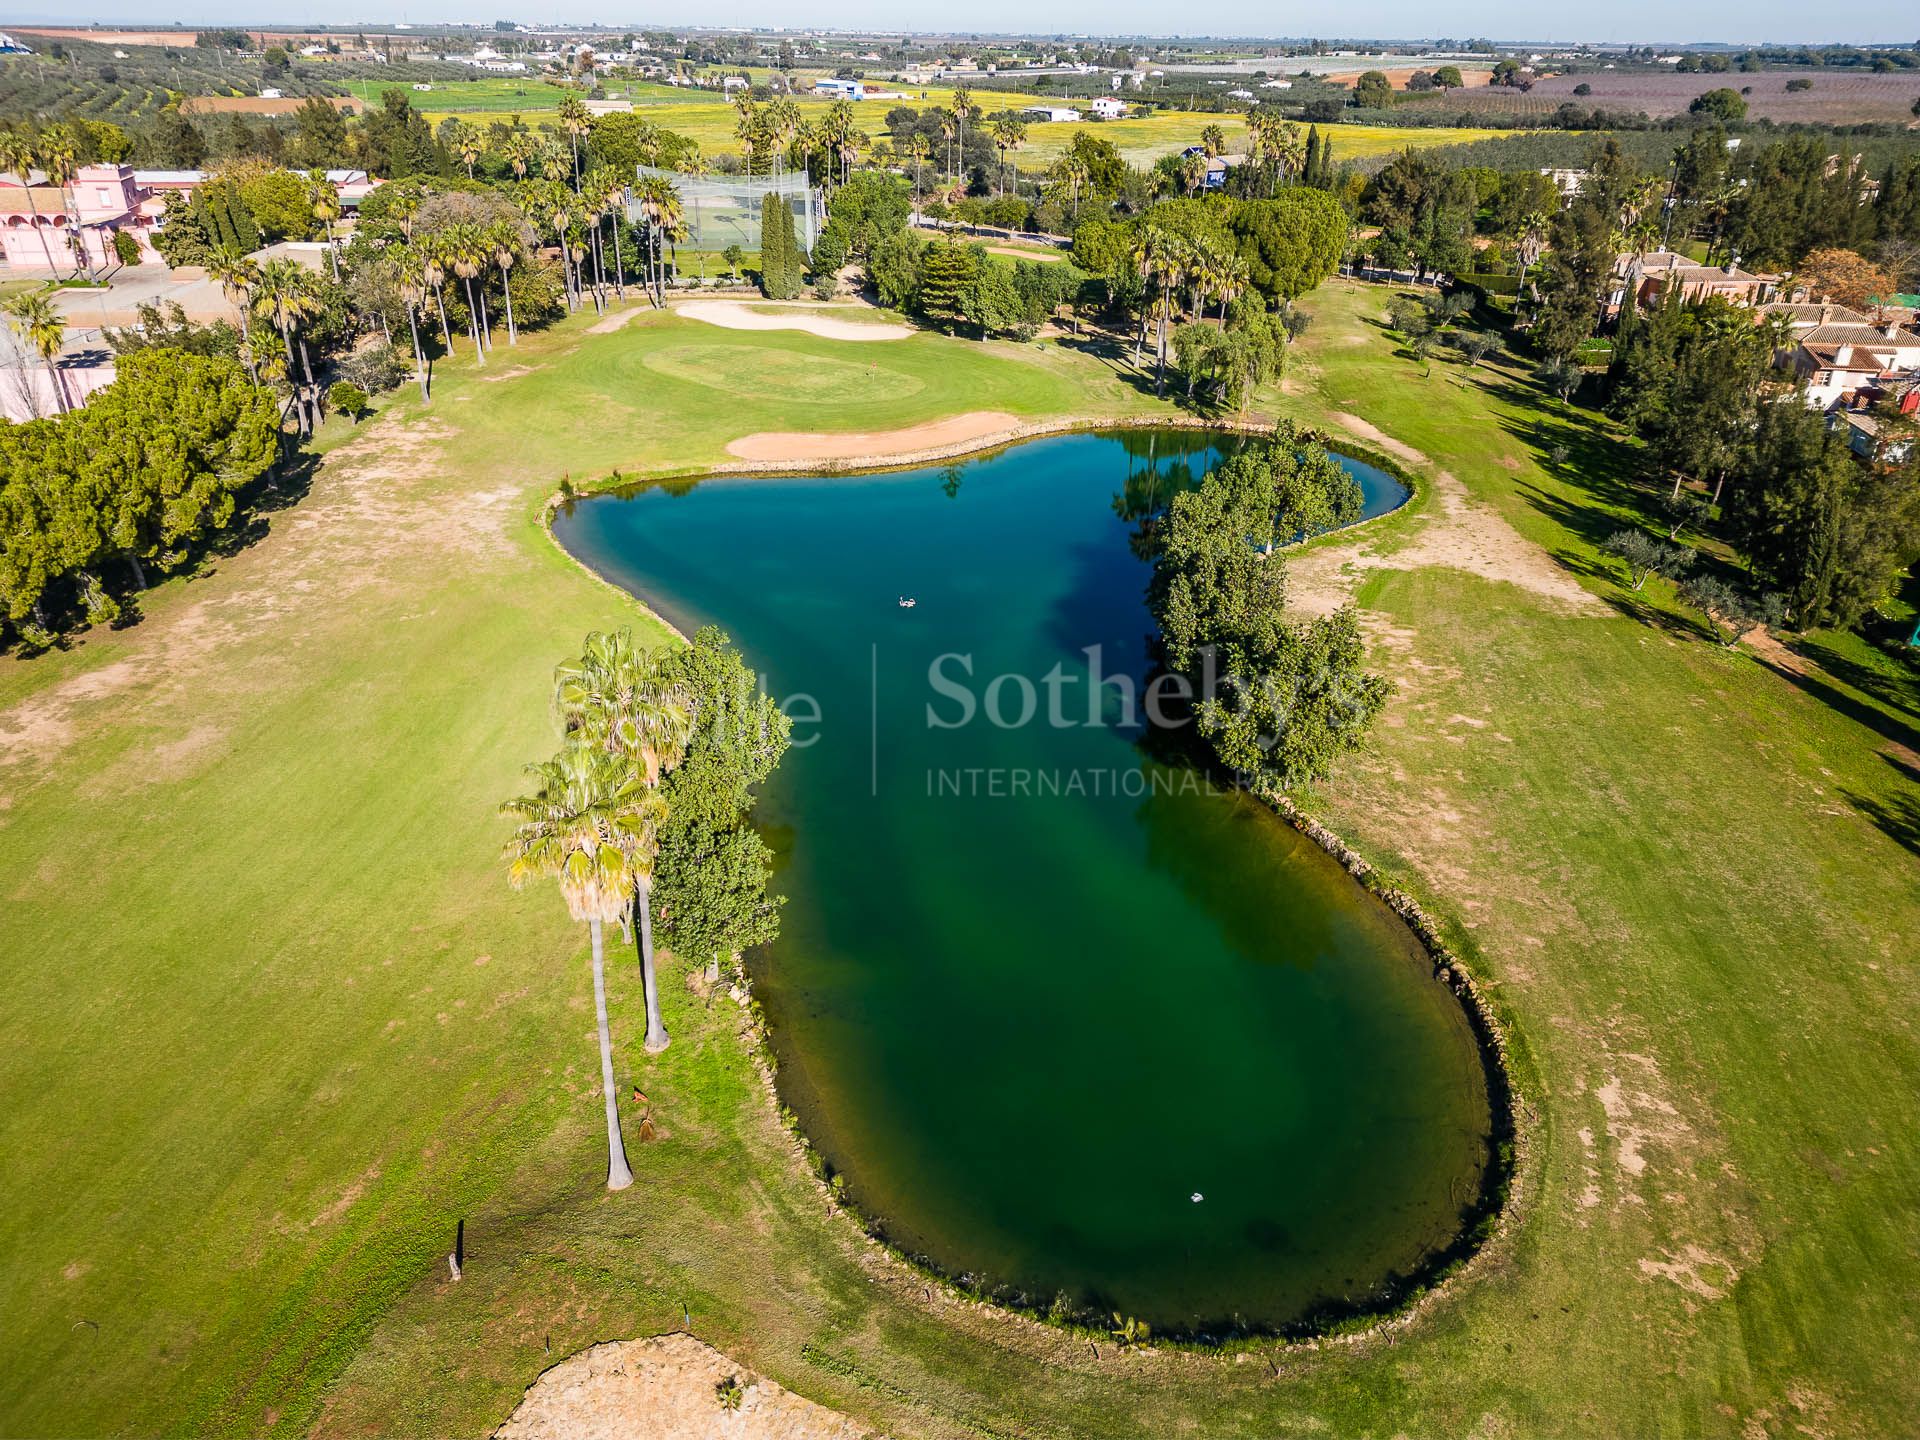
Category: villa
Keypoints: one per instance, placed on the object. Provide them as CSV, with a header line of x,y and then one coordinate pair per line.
x,y
52,229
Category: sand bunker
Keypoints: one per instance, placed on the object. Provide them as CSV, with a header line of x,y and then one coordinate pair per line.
x,y
878,445
734,315
666,1388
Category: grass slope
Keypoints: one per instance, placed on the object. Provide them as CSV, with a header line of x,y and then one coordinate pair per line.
x,y
276,1022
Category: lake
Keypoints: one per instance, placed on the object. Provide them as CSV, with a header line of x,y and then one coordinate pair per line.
x,y
1072,1019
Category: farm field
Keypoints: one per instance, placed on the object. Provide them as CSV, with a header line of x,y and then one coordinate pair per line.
x,y
709,120
1837,97
254,1085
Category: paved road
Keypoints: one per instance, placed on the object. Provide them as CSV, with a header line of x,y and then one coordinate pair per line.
x,y
139,285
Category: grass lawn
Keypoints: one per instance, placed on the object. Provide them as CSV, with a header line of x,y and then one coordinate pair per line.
x,y
273,1020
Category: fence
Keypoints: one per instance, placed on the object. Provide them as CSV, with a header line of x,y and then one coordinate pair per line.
x,y
723,210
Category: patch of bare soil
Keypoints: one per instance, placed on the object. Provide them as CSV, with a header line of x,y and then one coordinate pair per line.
x,y
665,1388
614,319
372,518
732,315
1458,533
877,446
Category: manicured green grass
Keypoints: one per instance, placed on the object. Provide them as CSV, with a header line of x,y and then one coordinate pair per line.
x,y
272,1021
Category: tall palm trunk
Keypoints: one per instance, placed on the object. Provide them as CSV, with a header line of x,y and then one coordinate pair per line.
x,y
506,289
619,265
619,1177
657,1039
419,355
440,298
473,322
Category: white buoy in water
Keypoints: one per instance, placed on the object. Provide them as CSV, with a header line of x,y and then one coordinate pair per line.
x,y
1198,1197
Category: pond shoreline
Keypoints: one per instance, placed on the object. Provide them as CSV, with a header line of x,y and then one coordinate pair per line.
x,y
1401,1298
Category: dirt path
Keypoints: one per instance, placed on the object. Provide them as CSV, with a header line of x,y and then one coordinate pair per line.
x,y
1044,257
736,315
665,1388
1458,533
874,447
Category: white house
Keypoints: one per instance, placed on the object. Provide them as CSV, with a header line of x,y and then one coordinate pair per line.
x,y
832,89
1837,360
1061,114
1276,84
1108,108
1240,94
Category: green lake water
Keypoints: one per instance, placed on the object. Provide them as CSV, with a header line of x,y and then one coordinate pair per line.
x,y
1029,1019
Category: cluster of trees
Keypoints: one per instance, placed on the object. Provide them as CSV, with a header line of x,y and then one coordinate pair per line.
x,y
1278,699
642,818
1824,536
138,480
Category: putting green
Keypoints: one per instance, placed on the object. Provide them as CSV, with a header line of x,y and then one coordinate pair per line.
x,y
782,374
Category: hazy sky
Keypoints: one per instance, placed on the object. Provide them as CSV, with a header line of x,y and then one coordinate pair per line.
x,y
1659,21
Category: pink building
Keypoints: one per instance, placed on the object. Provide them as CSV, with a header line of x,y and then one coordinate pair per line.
x,y
75,224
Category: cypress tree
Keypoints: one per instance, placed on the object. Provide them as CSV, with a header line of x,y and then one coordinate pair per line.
x,y
781,258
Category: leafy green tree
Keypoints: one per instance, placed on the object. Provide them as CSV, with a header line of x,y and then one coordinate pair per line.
x,y
1831,535
1645,557
1688,377
991,300
893,267
168,448
581,826
1373,90
319,135
1724,106
1729,612
711,895
1290,243
946,273
1278,701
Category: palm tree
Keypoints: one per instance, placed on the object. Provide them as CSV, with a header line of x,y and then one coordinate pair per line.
x,y
949,126
918,149
237,276
324,196
1074,173
962,112
582,826
34,320
1530,235
1008,132
432,254
505,243
519,151
1193,172
557,209
285,292
1213,140
612,190
577,121
467,255
746,127
413,294
57,162
617,700
17,157
467,145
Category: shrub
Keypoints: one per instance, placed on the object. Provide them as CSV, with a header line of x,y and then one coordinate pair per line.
x,y
347,398
376,369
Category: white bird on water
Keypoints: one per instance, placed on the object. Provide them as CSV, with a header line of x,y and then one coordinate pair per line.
x,y
907,602
1198,1197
